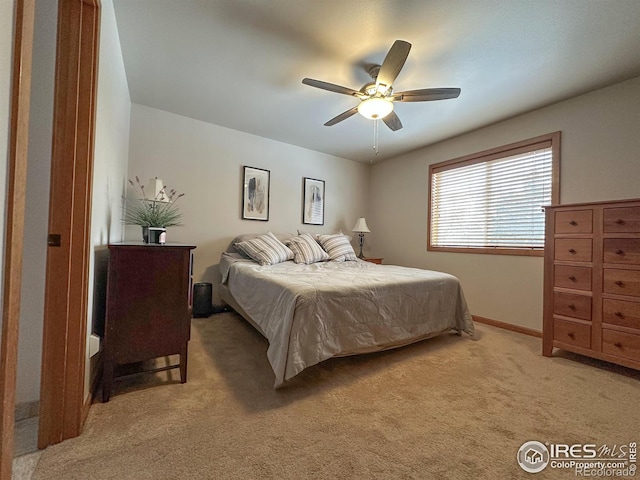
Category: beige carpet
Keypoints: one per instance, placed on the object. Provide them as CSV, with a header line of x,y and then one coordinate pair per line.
x,y
447,408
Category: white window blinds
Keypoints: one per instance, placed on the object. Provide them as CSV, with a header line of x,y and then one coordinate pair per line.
x,y
494,202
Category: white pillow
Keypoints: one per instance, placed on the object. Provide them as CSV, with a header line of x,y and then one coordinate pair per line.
x,y
338,247
265,249
306,250
243,237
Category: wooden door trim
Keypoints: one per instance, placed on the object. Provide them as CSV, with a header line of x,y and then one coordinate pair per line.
x,y
14,229
62,401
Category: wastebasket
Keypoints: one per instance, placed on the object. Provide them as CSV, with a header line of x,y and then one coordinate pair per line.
x,y
202,303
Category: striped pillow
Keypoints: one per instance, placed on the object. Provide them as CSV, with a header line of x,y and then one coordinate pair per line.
x,y
265,249
306,249
338,247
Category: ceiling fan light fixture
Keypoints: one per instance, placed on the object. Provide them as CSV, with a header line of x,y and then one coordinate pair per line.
x,y
375,108
382,89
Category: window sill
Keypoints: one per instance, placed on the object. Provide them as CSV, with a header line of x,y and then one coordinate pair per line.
x,y
523,252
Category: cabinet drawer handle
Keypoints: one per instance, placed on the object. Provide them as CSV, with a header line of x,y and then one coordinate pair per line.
x,y
619,314
618,344
572,278
619,283
572,307
571,335
573,222
619,252
572,250
620,221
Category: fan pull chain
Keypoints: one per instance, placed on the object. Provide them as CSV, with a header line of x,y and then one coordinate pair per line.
x,y
375,136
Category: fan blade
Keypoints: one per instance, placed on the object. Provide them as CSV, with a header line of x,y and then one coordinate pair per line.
x,y
393,63
341,117
392,121
426,95
330,87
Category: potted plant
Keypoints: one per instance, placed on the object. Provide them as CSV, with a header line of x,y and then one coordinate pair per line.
x,y
155,211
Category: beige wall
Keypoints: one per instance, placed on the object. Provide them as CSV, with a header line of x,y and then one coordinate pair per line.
x,y
600,161
6,67
37,203
113,111
205,162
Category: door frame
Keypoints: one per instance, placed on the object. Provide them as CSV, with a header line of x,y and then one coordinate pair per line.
x,y
63,407
20,97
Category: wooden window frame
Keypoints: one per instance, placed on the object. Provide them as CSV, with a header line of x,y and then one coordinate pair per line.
x,y
493,154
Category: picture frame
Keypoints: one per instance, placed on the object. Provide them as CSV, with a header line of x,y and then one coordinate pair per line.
x,y
313,201
255,194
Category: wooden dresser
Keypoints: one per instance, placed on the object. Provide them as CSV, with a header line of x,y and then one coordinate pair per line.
x,y
592,281
148,312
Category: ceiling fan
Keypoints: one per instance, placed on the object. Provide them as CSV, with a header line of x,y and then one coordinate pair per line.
x,y
377,97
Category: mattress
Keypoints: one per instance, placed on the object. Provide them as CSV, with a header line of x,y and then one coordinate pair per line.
x,y
310,313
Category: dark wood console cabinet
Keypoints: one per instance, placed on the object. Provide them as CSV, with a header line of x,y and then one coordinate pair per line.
x,y
148,313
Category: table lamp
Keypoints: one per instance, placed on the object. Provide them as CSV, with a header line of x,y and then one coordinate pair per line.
x,y
361,228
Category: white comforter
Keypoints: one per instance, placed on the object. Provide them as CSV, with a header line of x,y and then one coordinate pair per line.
x,y
310,313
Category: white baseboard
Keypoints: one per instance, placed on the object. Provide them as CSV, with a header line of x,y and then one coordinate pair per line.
x,y
94,344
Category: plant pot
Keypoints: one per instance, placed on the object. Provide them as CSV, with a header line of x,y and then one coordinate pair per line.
x,y
154,235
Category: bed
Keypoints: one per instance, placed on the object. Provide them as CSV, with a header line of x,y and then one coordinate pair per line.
x,y
312,312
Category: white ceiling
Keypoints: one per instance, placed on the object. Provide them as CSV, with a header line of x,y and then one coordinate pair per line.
x,y
240,63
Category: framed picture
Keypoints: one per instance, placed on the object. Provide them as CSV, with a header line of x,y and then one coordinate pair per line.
x,y
313,202
255,194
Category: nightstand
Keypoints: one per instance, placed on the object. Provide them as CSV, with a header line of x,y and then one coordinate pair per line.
x,y
377,261
148,314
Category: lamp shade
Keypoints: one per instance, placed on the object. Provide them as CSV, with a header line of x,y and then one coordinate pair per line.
x,y
375,107
156,190
361,226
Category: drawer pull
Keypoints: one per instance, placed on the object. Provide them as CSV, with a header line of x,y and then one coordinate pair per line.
x,y
619,252
573,222
619,314
572,250
620,221
618,344
572,278
571,335
619,283
572,307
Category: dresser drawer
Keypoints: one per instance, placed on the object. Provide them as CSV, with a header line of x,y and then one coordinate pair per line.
x,y
573,249
621,344
566,276
622,282
620,312
572,333
622,250
574,221
569,305
623,219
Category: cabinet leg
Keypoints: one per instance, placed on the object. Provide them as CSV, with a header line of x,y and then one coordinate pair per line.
x,y
547,349
183,363
107,380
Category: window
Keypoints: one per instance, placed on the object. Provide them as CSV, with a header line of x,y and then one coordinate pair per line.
x,y
491,202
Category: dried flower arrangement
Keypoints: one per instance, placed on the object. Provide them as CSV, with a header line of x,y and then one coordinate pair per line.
x,y
159,211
